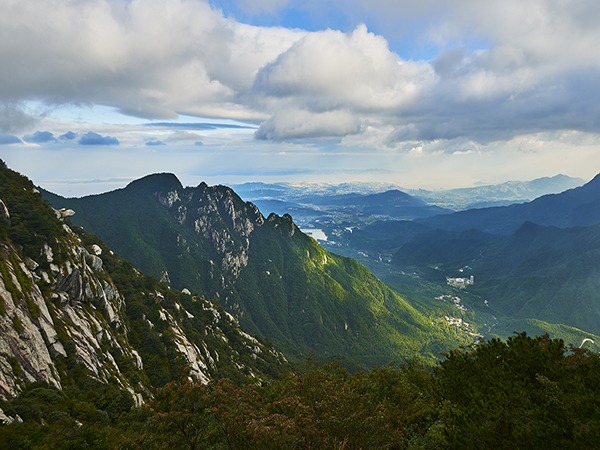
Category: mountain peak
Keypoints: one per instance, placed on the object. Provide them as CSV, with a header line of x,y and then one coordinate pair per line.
x,y
157,181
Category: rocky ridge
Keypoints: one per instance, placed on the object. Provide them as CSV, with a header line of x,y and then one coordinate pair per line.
x,y
79,301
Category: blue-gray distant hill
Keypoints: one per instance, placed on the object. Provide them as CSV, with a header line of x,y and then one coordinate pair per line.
x,y
498,194
394,204
575,207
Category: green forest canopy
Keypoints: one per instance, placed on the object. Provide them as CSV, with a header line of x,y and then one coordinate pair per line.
x,y
523,393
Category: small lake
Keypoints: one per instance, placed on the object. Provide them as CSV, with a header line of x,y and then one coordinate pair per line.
x,y
316,233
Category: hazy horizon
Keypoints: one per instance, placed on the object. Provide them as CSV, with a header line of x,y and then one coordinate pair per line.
x,y
93,187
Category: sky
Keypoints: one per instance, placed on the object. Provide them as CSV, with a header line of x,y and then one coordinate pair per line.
x,y
430,94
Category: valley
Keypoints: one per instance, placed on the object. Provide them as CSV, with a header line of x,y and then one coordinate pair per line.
x,y
416,255
277,281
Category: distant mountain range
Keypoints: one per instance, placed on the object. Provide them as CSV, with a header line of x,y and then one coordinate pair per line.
x,y
498,194
575,207
316,195
392,204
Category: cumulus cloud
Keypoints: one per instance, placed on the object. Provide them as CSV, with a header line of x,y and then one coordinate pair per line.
x,y
329,82
294,124
154,59
330,69
13,117
39,137
533,66
518,79
91,138
68,136
447,61
155,142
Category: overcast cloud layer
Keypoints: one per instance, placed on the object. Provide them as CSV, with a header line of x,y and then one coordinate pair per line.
x,y
498,79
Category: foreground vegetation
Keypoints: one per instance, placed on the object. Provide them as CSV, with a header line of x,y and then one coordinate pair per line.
x,y
522,393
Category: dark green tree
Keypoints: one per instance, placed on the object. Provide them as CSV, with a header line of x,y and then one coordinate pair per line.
x,y
318,408
523,393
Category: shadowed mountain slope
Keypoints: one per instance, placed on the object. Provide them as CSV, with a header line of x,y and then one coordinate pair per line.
x,y
539,272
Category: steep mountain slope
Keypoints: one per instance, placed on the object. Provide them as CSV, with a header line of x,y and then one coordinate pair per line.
x,y
279,282
575,207
70,308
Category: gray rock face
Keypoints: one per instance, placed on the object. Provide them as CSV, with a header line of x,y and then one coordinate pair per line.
x,y
93,261
63,213
7,420
79,313
83,301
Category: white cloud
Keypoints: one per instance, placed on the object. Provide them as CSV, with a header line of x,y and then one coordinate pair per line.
x,y
295,123
503,69
353,74
330,69
148,58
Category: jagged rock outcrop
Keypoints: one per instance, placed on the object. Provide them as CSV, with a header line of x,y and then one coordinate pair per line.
x,y
63,213
7,420
79,302
4,214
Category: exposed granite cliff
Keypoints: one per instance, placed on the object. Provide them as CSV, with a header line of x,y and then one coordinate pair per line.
x,y
53,304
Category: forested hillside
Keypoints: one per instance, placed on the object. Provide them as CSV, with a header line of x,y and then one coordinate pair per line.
x,y
525,393
541,273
